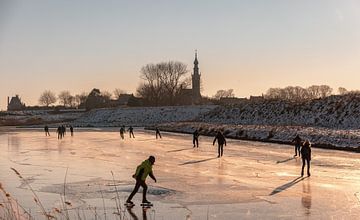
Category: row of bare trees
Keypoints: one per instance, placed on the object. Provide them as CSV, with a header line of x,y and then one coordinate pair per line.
x,y
297,93
64,98
223,93
162,83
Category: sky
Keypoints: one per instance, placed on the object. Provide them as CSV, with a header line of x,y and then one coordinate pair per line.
x,y
245,45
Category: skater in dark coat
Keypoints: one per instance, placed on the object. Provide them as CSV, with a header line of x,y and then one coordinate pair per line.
x,y
196,138
297,141
221,141
157,133
71,130
131,131
46,129
122,131
142,171
306,157
59,132
63,130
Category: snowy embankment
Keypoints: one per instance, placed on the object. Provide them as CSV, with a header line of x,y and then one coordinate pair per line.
x,y
38,117
320,137
332,122
140,116
336,112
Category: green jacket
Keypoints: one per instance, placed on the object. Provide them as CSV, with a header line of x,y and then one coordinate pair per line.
x,y
147,169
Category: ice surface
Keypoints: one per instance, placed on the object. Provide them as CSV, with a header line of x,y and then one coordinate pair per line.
x,y
252,181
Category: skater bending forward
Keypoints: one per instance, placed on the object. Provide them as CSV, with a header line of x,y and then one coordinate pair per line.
x,y
142,171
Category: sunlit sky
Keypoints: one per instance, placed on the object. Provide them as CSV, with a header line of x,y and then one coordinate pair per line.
x,y
248,46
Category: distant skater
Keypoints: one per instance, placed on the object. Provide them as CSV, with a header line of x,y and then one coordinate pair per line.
x,y
131,131
196,138
46,129
122,131
306,157
142,171
157,133
59,132
71,130
63,130
221,141
297,141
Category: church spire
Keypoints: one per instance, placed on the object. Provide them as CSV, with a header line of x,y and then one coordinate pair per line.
x,y
196,62
196,95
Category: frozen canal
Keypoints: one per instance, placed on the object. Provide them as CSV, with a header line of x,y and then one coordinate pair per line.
x,y
252,181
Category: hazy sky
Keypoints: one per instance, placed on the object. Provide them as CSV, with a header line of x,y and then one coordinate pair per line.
x,y
249,46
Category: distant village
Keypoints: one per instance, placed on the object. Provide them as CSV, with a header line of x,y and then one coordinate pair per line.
x,y
97,99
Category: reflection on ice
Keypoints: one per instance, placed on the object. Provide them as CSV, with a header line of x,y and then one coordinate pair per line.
x,y
306,197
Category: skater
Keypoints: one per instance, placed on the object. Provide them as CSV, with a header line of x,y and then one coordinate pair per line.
x,y
122,131
306,156
59,132
46,129
142,171
63,130
131,131
221,141
157,133
71,130
297,141
196,138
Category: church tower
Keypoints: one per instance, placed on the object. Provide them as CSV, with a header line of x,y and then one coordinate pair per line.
x,y
196,95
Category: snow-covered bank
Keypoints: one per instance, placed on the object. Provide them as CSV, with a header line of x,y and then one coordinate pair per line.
x,y
140,116
337,112
320,137
38,117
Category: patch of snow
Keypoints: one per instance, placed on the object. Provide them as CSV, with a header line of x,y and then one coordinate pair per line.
x,y
140,116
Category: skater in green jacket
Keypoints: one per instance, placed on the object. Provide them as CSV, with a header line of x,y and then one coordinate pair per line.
x,y
142,171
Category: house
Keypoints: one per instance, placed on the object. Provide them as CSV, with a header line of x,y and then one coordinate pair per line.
x,y
15,104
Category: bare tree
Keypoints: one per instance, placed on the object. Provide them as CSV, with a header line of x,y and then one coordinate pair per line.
x,y
66,99
162,82
274,93
118,92
80,98
325,91
47,98
342,91
314,92
224,94
106,95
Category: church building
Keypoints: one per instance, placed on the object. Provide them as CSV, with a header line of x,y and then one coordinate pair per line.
x,y
192,96
196,95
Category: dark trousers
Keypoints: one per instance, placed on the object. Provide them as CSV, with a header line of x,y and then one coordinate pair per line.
x,y
136,189
220,150
132,133
307,160
158,133
196,142
297,149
